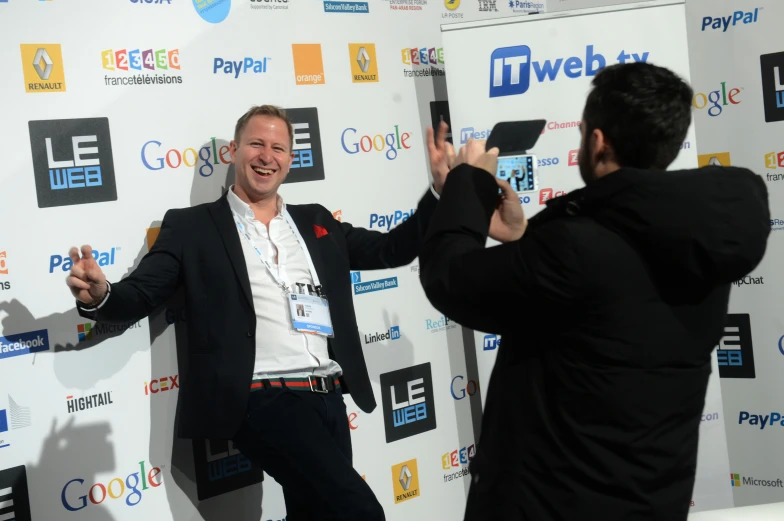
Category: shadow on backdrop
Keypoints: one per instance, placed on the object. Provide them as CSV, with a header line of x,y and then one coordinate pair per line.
x,y
89,449
198,467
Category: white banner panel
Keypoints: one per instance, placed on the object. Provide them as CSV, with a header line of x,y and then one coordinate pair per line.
x,y
540,67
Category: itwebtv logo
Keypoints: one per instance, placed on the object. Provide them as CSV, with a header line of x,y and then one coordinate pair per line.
x,y
510,68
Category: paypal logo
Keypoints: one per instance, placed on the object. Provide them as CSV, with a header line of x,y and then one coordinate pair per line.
x,y
64,262
388,221
468,133
724,22
511,68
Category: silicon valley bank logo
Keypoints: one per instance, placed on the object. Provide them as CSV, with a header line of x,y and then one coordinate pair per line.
x,y
75,496
753,482
408,403
389,221
14,495
361,288
393,333
724,22
346,7
511,67
24,343
72,161
102,257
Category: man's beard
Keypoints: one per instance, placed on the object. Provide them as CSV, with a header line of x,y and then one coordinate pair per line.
x,y
587,172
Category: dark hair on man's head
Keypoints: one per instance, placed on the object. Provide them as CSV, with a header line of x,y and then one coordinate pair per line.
x,y
644,112
263,110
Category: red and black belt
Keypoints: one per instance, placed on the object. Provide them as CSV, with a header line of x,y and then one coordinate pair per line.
x,y
315,384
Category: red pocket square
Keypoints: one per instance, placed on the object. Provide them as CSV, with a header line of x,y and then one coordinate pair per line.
x,y
320,231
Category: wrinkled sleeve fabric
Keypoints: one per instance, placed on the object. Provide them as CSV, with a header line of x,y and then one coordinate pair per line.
x,y
487,289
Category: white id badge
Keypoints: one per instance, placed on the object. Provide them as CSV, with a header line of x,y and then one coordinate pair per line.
x,y
310,314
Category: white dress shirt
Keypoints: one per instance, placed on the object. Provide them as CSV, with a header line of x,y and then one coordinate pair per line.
x,y
281,350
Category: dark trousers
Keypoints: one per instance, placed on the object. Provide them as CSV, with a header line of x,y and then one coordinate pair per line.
x,y
302,439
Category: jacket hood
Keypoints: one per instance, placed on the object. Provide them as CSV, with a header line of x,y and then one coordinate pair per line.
x,y
695,228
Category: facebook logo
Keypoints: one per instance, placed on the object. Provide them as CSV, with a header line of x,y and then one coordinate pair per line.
x,y
491,342
355,277
394,332
510,71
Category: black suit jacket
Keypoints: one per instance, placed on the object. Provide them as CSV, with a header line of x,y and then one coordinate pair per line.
x,y
198,249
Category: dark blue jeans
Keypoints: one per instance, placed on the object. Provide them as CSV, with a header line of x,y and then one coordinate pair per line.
x,y
302,439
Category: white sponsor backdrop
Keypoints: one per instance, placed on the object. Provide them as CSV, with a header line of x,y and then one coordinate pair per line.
x,y
114,440
572,43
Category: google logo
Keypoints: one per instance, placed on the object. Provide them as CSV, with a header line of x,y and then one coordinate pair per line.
x,y
210,154
393,142
115,489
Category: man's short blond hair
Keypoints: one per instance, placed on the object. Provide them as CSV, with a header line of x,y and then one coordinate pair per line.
x,y
264,110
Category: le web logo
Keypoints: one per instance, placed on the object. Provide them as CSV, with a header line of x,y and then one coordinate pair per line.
x,y
771,67
72,161
308,163
511,68
408,403
735,352
14,495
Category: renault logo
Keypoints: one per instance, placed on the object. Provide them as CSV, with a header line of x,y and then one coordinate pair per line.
x,y
42,56
363,59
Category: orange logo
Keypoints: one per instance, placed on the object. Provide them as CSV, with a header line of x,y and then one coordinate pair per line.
x,y
338,215
308,64
152,236
3,265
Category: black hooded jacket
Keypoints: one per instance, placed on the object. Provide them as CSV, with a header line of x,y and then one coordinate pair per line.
x,y
608,308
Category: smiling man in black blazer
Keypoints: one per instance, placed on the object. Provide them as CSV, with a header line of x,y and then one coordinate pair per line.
x,y
257,371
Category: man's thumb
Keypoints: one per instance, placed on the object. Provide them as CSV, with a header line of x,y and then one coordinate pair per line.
x,y
493,152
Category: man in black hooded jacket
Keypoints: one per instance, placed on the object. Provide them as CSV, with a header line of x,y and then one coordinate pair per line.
x,y
620,293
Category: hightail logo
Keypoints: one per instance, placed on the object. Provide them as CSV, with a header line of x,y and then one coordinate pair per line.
x,y
89,402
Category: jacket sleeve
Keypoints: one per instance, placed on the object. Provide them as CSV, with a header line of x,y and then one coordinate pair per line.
x,y
499,288
373,250
148,286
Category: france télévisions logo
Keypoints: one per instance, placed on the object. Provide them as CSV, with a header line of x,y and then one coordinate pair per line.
x,y
141,66
771,66
408,403
735,351
308,163
72,161
512,69
14,497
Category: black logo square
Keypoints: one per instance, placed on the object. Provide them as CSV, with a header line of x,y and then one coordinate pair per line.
x,y
308,164
439,111
221,468
72,161
14,496
772,69
735,351
407,399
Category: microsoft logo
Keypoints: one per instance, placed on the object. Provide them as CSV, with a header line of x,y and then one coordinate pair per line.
x,y
85,332
735,480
